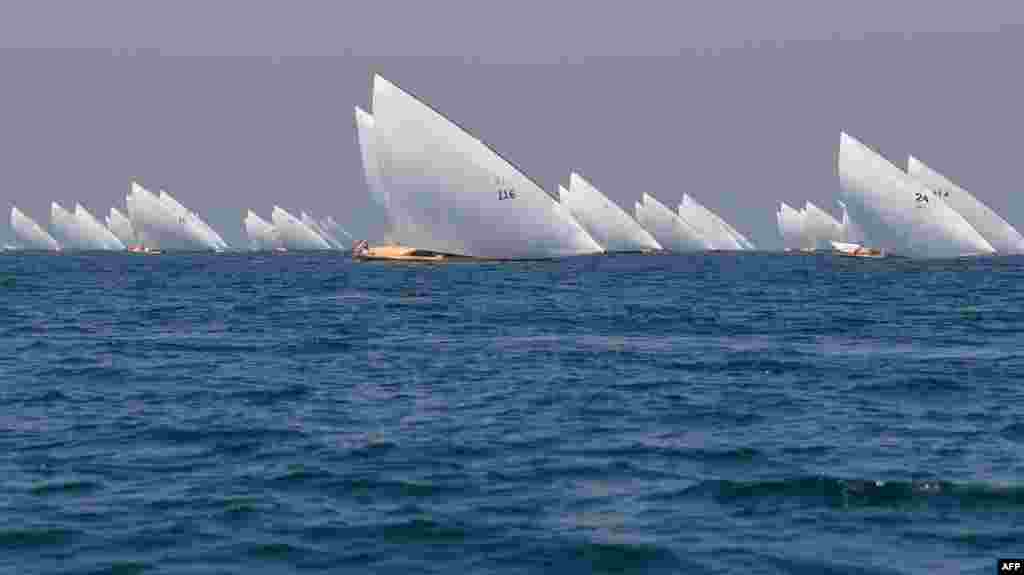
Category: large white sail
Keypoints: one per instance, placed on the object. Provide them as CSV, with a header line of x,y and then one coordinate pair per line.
x,y
377,217
294,234
820,228
121,227
29,234
701,219
668,228
99,231
609,225
997,231
448,192
261,233
791,227
74,233
898,213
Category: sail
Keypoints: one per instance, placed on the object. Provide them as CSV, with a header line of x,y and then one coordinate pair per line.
x,y
121,227
314,225
820,228
851,232
337,233
201,234
449,192
700,218
377,215
609,225
294,234
791,227
898,213
261,233
29,234
97,229
668,228
73,232
997,231
158,224
742,239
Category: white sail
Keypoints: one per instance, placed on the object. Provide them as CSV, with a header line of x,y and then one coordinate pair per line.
x,y
294,234
157,223
201,234
337,233
100,231
851,232
73,232
742,239
700,218
121,227
668,228
380,219
791,227
898,213
997,231
449,192
314,225
261,233
29,234
609,225
820,228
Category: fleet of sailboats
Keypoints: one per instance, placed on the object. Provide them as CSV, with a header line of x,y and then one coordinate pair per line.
x,y
441,192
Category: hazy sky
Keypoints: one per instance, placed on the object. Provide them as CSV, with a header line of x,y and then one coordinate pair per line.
x,y
242,104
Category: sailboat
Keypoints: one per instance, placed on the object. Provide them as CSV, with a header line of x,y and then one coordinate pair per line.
x,y
701,219
997,231
668,228
820,228
74,231
898,212
449,193
610,226
97,229
791,227
29,234
295,235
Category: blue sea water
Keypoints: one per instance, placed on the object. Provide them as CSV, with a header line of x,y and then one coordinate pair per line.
x,y
725,413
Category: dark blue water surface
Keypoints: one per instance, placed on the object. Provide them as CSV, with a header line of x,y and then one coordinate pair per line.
x,y
729,413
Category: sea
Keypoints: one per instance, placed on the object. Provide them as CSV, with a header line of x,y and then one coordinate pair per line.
x,y
709,413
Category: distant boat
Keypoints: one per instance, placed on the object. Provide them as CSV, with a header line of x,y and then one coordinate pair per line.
x,y
610,226
121,227
338,233
295,235
851,232
161,223
667,227
899,214
261,233
702,219
29,234
311,223
99,231
75,231
791,227
447,192
820,227
997,231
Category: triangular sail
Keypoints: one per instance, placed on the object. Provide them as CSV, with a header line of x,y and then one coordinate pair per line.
x,y
450,193
29,234
121,227
898,213
997,231
700,218
98,230
791,227
74,232
295,235
820,228
669,229
261,233
609,225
